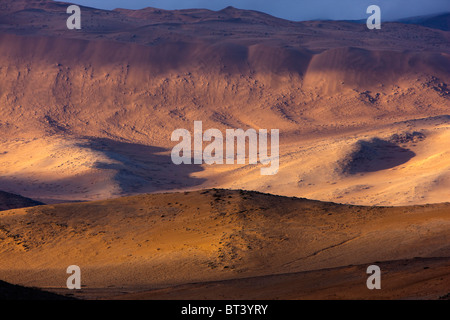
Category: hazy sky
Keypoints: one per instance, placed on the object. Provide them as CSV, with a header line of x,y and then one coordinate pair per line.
x,y
291,9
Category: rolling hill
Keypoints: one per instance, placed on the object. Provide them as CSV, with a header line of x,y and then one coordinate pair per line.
x,y
227,244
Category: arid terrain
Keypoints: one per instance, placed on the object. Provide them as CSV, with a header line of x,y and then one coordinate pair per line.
x,y
86,118
228,244
87,114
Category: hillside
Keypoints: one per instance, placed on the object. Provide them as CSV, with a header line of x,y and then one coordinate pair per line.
x,y
236,243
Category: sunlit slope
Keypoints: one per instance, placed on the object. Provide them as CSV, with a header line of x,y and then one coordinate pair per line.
x,y
149,241
88,115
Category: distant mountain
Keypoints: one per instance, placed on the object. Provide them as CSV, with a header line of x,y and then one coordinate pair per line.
x,y
440,21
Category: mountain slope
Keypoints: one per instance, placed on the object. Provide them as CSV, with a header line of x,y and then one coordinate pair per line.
x,y
73,101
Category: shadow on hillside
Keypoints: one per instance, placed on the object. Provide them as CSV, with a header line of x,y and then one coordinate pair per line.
x,y
375,155
139,168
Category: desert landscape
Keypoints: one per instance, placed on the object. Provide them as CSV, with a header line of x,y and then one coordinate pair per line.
x,y
86,175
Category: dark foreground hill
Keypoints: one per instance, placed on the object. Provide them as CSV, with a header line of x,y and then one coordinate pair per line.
x,y
14,292
14,201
